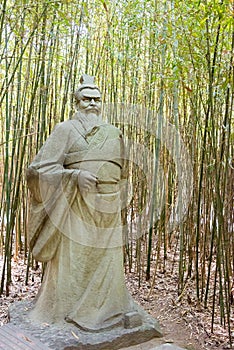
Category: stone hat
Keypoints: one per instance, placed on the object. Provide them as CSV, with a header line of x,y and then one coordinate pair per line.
x,y
87,81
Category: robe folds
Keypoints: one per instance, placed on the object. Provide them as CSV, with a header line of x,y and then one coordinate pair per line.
x,y
79,233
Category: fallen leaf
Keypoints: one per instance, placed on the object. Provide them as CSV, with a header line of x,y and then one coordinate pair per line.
x,y
74,335
27,339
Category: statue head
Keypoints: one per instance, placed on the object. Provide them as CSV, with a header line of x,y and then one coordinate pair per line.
x,y
88,96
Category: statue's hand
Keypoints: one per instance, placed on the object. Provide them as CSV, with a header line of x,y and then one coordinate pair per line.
x,y
86,180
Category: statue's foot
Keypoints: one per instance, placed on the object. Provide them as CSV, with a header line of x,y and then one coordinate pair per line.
x,y
107,325
132,319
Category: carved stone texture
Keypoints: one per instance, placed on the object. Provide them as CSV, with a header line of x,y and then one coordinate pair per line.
x,y
65,336
167,347
132,320
75,227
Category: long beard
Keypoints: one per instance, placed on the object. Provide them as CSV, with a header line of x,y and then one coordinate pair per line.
x,y
88,120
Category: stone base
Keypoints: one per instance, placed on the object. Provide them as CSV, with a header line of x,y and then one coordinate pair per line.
x,y
167,347
66,336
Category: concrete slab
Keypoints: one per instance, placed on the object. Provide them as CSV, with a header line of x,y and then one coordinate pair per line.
x,y
13,338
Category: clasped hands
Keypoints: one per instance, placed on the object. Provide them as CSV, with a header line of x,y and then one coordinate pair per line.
x,y
86,180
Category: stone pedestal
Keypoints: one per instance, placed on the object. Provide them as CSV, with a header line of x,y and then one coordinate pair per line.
x,y
66,336
167,347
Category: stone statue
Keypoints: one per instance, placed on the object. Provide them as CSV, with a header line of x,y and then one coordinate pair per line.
x,y
75,220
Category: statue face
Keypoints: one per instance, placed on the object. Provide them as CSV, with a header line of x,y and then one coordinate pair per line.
x,y
90,102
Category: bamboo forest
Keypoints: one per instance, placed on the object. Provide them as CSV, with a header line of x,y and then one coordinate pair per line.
x,y
166,73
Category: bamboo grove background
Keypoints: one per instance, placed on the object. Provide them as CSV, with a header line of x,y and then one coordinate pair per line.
x,y
172,58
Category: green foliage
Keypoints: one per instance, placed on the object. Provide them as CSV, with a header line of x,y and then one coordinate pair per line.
x,y
175,59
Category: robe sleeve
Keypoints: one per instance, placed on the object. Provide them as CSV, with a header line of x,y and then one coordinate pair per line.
x,y
124,189
53,189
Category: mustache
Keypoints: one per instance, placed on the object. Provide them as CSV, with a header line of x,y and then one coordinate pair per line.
x,y
92,109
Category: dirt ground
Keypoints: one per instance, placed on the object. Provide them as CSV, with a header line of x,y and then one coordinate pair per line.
x,y
183,321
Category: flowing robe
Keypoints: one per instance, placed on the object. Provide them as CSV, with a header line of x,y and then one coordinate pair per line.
x,y
79,234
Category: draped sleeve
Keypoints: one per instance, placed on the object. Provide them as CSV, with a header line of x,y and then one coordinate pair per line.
x,y
53,188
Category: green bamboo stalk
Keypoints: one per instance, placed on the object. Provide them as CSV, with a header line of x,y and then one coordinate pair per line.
x,y
6,182
3,91
124,49
157,151
3,14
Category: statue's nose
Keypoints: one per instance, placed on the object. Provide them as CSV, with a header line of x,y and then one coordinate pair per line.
x,y
92,102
